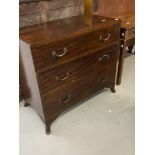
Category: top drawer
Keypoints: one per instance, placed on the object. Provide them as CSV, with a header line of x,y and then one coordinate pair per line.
x,y
59,52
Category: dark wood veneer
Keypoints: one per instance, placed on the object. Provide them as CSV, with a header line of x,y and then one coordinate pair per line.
x,y
66,62
80,69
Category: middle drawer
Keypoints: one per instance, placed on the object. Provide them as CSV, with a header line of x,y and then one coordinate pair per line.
x,y
79,69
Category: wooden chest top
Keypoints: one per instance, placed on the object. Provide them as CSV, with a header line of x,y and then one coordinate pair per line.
x,y
63,28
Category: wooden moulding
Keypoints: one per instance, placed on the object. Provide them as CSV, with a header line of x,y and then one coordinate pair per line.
x,y
88,11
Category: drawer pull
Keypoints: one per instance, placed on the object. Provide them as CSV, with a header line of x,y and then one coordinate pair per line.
x,y
108,36
102,80
63,78
103,57
64,51
65,99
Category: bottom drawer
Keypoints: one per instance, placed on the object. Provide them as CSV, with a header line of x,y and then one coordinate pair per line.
x,y
61,100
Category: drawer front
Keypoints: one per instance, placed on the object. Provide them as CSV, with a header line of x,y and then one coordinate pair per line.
x,y
62,51
79,69
85,80
63,99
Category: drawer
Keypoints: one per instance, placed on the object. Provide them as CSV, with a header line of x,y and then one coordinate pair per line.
x,y
79,69
59,52
62,99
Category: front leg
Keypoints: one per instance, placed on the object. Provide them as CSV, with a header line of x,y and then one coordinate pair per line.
x,y
48,124
48,129
113,90
26,104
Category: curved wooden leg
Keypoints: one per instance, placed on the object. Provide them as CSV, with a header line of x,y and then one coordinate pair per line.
x,y
48,129
26,104
48,125
113,90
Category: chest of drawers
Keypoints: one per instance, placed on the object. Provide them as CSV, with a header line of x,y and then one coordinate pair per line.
x,y
65,62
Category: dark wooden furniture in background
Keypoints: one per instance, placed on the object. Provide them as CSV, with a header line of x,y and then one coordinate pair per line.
x,y
124,10
66,61
114,8
33,12
127,41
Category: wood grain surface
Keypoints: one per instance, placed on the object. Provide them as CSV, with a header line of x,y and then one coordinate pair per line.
x,y
114,8
66,62
36,11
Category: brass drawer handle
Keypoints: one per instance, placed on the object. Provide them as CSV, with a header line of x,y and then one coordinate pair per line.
x,y
101,37
63,78
103,57
102,80
64,51
65,99
108,36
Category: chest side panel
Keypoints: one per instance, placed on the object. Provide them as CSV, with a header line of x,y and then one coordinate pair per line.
x,y
30,78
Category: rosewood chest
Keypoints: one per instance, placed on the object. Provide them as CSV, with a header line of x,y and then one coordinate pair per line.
x,y
65,62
